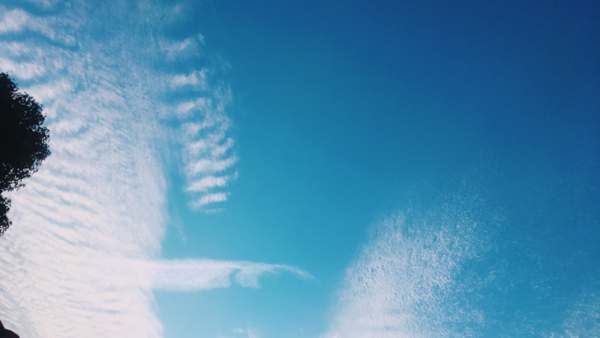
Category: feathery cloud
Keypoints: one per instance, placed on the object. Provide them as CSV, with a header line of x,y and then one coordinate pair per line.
x,y
18,20
448,266
49,91
196,79
22,70
83,255
399,285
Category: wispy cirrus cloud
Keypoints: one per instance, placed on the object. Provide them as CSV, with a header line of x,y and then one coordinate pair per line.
x,y
207,151
18,20
185,48
14,20
189,275
83,255
403,278
194,79
21,70
210,198
49,91
448,266
209,182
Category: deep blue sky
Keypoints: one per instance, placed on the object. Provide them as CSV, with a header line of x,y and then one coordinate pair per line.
x,y
433,165
343,108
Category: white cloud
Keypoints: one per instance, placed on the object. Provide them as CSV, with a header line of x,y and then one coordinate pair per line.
x,y
45,92
189,275
13,21
210,198
15,48
83,255
196,79
208,182
201,104
207,150
448,266
211,166
21,70
582,316
399,285
252,333
185,107
182,49
18,20
219,150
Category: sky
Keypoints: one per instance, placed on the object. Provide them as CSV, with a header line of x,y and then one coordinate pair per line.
x,y
319,169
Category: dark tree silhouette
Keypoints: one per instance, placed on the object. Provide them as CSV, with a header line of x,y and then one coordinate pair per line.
x,y
23,141
4,333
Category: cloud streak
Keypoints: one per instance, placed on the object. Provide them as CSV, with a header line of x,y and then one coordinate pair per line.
x,y
194,79
207,152
24,71
18,20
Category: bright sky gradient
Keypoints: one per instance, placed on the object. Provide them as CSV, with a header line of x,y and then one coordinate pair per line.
x,y
315,169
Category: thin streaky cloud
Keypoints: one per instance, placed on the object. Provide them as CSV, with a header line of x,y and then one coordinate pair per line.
x,y
186,48
210,141
207,151
195,79
44,93
18,20
15,48
211,166
185,107
208,182
21,70
222,149
188,275
210,198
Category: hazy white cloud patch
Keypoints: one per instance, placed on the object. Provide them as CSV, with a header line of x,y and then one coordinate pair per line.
x,y
83,255
47,92
194,79
21,70
448,265
15,48
582,317
186,48
211,165
400,284
13,20
210,198
189,275
18,20
209,182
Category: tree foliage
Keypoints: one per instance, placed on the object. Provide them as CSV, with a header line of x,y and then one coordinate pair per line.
x,y
23,141
4,333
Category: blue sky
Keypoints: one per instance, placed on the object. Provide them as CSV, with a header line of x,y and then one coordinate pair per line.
x,y
280,169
